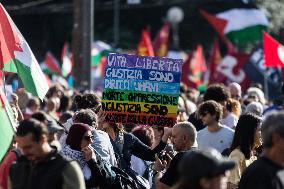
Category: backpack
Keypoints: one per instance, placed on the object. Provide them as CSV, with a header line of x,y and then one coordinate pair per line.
x,y
113,177
140,181
17,152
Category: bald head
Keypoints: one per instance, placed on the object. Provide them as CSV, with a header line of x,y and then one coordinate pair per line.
x,y
236,91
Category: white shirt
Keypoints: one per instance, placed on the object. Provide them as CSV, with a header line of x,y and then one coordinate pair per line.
x,y
220,140
230,120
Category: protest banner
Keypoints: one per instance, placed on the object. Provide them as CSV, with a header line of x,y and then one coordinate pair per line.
x,y
141,89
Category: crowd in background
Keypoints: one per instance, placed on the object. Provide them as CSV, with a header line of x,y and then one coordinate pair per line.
x,y
224,137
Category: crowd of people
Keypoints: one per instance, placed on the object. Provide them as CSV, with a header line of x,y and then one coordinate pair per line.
x,y
223,138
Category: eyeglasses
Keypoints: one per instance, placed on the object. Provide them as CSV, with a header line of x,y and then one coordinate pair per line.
x,y
88,137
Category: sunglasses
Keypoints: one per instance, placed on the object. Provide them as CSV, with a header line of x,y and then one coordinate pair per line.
x,y
203,114
88,138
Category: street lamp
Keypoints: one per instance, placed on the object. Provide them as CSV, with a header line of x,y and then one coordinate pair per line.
x,y
175,16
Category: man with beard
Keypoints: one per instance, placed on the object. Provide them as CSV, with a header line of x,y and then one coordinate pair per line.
x,y
183,139
40,165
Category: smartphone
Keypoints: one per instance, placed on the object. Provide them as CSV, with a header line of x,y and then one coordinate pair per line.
x,y
163,156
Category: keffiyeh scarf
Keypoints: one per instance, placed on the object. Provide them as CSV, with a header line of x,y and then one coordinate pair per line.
x,y
79,157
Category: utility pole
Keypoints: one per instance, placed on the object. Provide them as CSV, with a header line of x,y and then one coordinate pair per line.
x,y
116,20
81,43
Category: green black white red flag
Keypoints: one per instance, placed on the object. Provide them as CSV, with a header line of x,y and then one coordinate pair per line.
x,y
7,125
241,24
17,57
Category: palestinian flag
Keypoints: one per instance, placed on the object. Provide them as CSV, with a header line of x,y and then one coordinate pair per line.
x,y
51,65
7,125
241,23
66,60
16,56
99,50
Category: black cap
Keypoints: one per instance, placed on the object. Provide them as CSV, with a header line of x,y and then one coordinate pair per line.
x,y
198,164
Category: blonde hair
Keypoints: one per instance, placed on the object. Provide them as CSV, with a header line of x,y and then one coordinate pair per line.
x,y
234,106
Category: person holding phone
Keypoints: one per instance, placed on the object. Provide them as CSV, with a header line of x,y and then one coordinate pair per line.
x,y
183,139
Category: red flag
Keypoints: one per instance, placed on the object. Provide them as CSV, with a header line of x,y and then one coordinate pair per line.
x,y
273,52
52,64
219,25
145,47
10,41
193,68
161,41
214,60
231,66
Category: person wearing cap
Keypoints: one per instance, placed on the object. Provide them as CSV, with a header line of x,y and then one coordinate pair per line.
x,y
54,131
215,135
40,165
267,171
203,170
183,139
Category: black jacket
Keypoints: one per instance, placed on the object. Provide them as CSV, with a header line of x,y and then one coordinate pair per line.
x,y
44,175
133,146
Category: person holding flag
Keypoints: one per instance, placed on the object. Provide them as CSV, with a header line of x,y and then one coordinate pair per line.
x,y
7,126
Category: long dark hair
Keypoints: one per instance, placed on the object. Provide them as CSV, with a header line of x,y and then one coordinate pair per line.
x,y
245,133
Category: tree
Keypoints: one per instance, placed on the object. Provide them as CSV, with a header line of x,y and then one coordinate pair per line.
x,y
274,11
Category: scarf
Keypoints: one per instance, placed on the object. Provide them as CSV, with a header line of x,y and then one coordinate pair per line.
x,y
79,157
